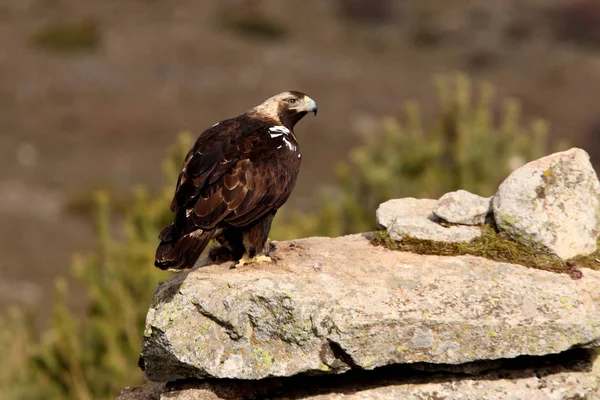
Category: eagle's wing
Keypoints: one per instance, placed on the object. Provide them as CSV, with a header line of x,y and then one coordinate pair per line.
x,y
227,177
204,161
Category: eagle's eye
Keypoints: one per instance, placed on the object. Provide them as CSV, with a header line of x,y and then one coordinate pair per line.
x,y
292,101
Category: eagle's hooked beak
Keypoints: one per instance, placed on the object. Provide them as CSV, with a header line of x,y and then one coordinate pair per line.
x,y
310,105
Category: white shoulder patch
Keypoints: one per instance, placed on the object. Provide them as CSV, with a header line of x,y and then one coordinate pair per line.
x,y
280,130
289,144
215,125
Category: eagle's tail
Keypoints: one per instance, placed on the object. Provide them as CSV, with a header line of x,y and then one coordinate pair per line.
x,y
180,252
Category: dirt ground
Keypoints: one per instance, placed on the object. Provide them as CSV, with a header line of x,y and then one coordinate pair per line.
x,y
104,115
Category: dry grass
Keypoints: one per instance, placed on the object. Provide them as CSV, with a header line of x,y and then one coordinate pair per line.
x,y
257,26
75,36
495,247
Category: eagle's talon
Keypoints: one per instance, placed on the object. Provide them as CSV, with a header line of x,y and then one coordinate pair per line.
x,y
263,258
274,257
258,259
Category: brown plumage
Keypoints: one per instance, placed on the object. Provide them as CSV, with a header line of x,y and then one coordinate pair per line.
x,y
234,179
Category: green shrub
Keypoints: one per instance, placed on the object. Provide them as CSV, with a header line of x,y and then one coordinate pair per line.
x,y
94,357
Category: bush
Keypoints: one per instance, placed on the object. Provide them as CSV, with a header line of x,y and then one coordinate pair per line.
x,y
95,356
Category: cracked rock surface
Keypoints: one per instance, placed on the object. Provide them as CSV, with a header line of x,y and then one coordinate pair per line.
x,y
568,376
333,305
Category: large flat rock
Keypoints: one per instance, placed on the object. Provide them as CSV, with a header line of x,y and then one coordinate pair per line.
x,y
330,305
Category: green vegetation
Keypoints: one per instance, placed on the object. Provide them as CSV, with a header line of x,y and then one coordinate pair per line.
x,y
65,37
94,356
490,245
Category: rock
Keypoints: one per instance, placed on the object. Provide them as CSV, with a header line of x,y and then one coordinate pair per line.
x,y
541,378
554,383
389,211
149,391
203,390
462,207
364,308
414,217
423,228
552,203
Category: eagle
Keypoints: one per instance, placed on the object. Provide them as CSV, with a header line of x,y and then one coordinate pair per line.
x,y
236,176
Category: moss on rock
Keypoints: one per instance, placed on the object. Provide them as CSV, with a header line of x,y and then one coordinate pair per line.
x,y
493,246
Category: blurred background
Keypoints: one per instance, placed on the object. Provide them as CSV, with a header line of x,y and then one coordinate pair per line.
x,y
100,100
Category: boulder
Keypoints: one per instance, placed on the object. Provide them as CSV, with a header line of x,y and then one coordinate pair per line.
x,y
423,228
462,207
393,209
149,391
333,305
552,204
415,217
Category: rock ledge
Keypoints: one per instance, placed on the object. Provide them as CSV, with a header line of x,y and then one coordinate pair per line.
x,y
570,375
333,305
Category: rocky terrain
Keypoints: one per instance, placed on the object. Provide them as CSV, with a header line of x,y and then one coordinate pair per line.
x,y
343,318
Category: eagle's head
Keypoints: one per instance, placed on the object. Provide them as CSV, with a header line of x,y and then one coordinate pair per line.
x,y
287,108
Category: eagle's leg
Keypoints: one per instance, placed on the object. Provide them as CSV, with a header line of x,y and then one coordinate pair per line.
x,y
219,254
230,248
254,240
